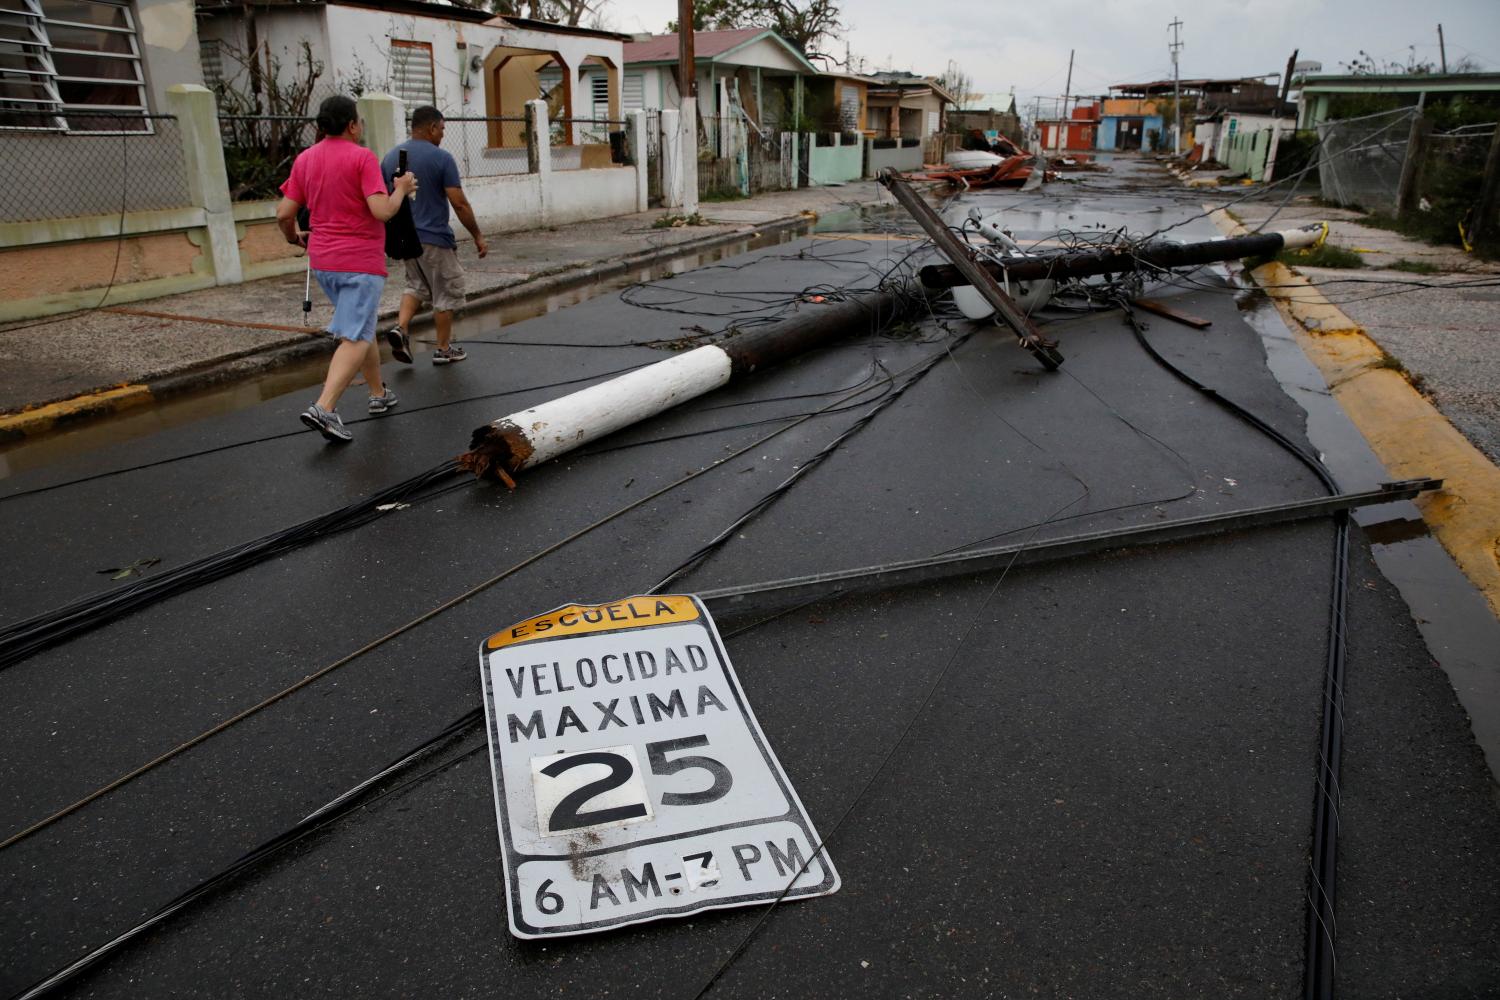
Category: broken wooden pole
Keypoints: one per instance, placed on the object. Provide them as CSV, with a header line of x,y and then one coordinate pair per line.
x,y
1149,257
522,440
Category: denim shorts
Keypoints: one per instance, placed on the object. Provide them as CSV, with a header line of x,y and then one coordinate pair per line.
x,y
356,302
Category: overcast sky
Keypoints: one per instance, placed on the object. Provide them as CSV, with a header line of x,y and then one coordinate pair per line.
x,y
1023,44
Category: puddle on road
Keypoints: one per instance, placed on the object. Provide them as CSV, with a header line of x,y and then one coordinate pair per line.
x,y
1455,620
296,376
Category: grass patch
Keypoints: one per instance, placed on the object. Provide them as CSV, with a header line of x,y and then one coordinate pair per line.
x,y
1415,267
1326,255
678,221
713,196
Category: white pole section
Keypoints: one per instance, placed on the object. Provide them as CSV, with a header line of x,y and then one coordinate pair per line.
x,y
557,426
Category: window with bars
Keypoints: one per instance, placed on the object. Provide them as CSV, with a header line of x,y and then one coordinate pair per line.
x,y
62,59
411,72
211,58
599,84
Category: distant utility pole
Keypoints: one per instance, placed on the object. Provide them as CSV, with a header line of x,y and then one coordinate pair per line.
x,y
687,73
1067,92
1176,25
1442,49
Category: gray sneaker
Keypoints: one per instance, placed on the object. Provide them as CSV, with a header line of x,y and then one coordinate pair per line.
x,y
383,402
327,423
400,344
448,355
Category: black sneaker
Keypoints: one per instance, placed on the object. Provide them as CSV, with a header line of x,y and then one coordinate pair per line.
x,y
448,355
327,423
400,344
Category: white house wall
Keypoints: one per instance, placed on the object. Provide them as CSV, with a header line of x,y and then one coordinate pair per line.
x,y
765,54
282,32
169,46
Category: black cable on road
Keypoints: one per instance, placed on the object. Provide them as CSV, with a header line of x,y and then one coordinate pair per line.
x,y
1321,955
19,640
352,797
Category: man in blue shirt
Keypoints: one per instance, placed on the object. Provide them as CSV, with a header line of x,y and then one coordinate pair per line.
x,y
436,276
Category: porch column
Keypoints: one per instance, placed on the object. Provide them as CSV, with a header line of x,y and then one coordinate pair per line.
x,y
385,122
539,153
635,138
208,181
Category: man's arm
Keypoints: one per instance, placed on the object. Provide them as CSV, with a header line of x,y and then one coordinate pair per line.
x,y
286,218
465,213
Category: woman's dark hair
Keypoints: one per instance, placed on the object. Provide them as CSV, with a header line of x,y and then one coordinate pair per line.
x,y
336,114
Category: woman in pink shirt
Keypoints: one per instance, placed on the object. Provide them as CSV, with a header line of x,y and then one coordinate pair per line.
x,y
340,183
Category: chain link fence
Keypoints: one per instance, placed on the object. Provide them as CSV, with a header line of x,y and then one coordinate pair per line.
x,y
1449,181
1360,160
487,147
124,163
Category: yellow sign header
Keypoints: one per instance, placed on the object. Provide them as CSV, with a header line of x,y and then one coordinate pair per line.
x,y
580,619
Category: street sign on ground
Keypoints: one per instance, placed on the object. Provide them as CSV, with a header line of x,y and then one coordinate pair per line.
x,y
632,780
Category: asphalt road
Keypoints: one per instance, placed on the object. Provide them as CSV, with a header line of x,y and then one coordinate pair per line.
x,y
1090,778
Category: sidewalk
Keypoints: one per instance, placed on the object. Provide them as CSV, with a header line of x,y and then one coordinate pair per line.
x,y
1416,372
93,363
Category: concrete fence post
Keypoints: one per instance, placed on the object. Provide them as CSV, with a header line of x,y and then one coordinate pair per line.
x,y
208,181
689,124
385,122
635,137
539,153
671,159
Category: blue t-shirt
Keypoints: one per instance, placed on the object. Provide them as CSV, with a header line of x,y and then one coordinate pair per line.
x,y
436,171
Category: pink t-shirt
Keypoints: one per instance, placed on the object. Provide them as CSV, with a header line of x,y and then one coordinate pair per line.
x,y
333,178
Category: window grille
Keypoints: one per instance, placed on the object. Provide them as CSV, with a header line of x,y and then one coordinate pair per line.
x,y
211,58
61,59
599,90
411,72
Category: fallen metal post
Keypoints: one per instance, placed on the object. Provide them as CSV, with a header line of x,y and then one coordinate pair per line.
x,y
1150,258
966,261
506,446
755,598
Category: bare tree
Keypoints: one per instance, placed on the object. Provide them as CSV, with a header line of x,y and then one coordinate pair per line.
x,y
804,23
957,83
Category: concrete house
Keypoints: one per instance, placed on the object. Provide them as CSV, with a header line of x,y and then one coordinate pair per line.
x,y
465,61
905,105
749,70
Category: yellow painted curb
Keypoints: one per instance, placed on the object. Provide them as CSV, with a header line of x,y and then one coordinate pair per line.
x,y
1405,431
48,416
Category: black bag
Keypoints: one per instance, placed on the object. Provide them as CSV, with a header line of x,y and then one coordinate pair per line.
x,y
401,241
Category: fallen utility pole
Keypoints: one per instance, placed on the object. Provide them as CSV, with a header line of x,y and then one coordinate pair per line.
x,y
758,598
965,259
1148,258
505,446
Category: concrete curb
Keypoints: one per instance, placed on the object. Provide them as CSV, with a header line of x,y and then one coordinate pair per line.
x,y
46,417
1408,434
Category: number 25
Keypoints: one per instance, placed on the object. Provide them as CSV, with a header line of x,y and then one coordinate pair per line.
x,y
568,816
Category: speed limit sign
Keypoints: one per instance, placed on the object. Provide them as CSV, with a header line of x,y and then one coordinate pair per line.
x,y
632,781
